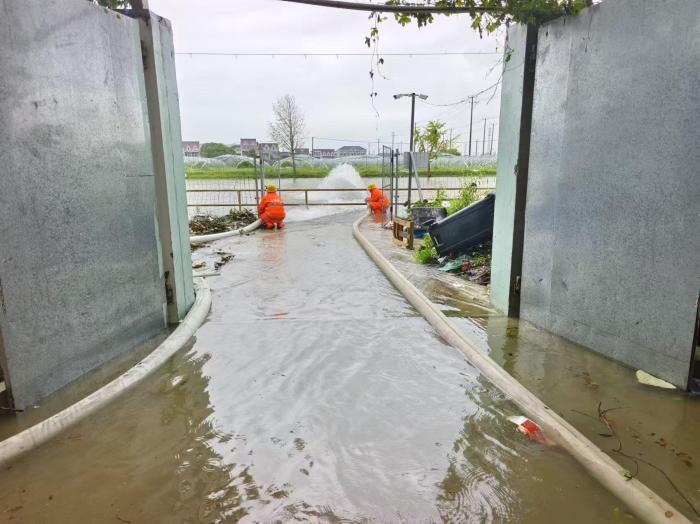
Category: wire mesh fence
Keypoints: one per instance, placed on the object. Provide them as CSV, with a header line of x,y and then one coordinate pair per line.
x,y
219,196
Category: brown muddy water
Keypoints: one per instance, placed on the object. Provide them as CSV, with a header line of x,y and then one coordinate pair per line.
x,y
313,392
655,432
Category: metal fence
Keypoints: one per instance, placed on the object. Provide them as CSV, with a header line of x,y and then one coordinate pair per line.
x,y
240,197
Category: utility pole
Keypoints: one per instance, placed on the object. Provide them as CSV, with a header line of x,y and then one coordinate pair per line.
x,y
493,129
410,163
413,114
312,150
483,144
471,117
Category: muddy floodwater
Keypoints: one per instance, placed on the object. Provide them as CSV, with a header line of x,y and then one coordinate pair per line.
x,y
313,392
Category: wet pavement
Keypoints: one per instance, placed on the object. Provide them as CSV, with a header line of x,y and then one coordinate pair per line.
x,y
655,433
313,392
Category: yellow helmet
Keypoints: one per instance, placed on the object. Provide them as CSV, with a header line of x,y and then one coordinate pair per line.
x,y
371,187
271,188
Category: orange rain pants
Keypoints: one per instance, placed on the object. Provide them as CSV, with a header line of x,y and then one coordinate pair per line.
x,y
271,210
377,202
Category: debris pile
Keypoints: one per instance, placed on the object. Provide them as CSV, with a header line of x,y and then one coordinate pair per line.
x,y
208,224
476,265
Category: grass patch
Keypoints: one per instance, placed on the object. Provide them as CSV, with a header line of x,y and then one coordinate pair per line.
x,y
203,173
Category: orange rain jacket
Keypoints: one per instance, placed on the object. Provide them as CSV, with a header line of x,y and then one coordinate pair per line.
x,y
377,201
271,209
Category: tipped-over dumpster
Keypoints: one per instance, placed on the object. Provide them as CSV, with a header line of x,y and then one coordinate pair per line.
x,y
457,233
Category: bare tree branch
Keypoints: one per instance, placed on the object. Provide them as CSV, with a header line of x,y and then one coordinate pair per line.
x,y
288,126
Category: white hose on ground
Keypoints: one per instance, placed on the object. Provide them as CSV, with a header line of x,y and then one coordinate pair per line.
x,y
640,500
40,433
198,239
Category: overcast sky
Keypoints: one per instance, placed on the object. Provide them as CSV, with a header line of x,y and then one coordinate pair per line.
x,y
225,98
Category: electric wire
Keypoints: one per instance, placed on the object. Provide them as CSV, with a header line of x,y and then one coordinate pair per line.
x,y
433,53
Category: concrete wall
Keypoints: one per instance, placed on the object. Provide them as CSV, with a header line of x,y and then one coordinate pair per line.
x,y
613,202
79,264
168,164
506,171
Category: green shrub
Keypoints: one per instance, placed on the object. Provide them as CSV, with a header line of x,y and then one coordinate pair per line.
x,y
466,197
427,254
439,199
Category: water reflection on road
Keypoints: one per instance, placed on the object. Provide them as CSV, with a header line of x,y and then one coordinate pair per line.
x,y
313,392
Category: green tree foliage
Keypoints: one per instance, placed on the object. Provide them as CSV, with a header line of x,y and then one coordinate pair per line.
x,y
214,149
489,15
433,139
114,4
486,15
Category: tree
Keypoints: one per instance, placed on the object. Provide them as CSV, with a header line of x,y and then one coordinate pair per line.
x,y
431,140
489,15
213,149
486,15
288,126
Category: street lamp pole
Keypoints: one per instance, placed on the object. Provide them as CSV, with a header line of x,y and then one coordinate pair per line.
x,y
411,144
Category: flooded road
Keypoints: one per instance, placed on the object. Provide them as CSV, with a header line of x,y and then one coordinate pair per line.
x,y
654,434
313,392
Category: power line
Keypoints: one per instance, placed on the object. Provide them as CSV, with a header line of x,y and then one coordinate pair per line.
x,y
465,99
393,8
443,53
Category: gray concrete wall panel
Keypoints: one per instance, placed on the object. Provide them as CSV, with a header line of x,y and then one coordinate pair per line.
x,y
78,248
508,144
613,204
168,164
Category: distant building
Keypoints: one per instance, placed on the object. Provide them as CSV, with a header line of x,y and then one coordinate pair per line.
x,y
301,151
351,151
190,148
249,146
269,150
325,153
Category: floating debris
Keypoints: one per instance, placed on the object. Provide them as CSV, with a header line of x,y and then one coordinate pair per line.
x,y
650,380
208,224
225,258
528,428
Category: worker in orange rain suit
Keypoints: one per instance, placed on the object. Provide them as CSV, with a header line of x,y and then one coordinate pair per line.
x,y
376,201
271,208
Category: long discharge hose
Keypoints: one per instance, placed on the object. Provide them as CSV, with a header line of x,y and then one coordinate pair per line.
x,y
641,500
